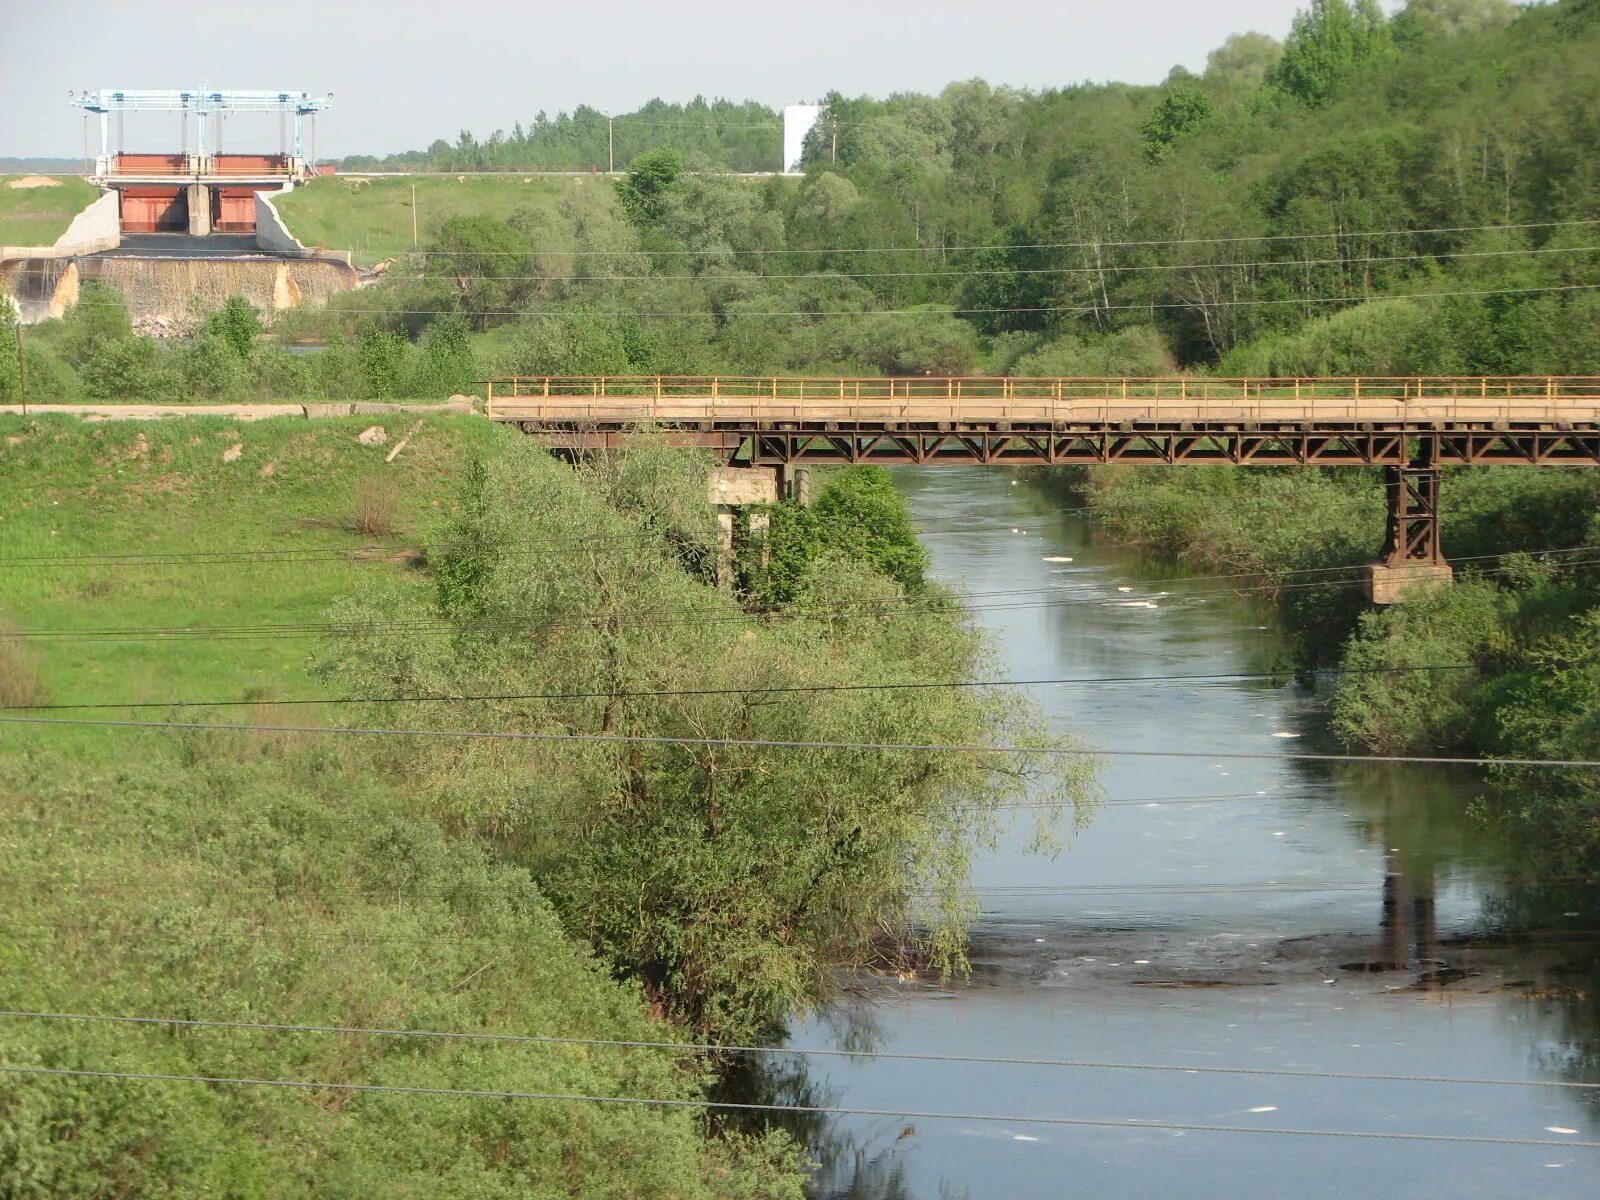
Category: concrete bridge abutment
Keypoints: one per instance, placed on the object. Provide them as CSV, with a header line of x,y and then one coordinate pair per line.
x,y
741,496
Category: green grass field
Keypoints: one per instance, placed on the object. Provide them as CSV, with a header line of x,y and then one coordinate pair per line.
x,y
37,216
118,527
372,217
273,876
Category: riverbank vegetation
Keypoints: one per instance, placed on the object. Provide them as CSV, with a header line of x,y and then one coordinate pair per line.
x,y
1410,195
621,866
1496,664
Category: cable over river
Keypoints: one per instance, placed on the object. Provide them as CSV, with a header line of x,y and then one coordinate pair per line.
x,y
1323,920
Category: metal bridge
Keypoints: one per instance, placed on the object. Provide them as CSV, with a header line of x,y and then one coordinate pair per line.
x,y
1411,426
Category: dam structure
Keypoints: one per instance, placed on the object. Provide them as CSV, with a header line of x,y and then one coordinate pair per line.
x,y
197,190
177,231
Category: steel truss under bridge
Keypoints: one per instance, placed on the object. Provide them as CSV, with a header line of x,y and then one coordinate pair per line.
x,y
1409,426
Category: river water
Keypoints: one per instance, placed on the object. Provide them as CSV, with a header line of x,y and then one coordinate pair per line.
x,y
1241,912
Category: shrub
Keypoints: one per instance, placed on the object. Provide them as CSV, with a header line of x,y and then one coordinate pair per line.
x,y
20,685
373,506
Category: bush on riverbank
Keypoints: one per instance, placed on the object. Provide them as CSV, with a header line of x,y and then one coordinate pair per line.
x,y
729,881
267,878
274,877
1494,664
857,514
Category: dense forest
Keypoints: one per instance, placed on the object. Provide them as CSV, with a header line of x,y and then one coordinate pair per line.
x,y
1414,194
1405,195
716,134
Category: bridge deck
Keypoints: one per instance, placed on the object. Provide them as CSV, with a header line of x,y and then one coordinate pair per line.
x,y
1535,419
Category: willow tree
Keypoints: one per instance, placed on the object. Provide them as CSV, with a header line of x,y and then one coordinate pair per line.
x,y
728,807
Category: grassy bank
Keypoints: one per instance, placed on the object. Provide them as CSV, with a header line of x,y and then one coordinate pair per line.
x,y
623,869
270,877
37,216
373,217
144,526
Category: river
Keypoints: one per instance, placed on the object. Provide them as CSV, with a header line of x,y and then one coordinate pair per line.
x,y
1231,912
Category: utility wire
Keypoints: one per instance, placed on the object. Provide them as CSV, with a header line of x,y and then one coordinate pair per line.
x,y
728,743
646,618
1276,793
753,690
801,1109
714,1048
264,934
969,272
710,313
114,886
1092,245
1092,592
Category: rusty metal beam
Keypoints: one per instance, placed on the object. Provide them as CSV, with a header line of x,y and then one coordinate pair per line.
x,y
1328,444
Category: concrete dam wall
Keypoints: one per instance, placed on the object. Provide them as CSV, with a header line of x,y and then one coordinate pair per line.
x,y
174,292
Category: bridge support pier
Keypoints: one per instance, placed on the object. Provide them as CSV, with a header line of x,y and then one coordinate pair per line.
x,y
794,483
199,209
740,495
1412,559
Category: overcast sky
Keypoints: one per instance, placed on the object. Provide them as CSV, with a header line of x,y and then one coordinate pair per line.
x,y
406,71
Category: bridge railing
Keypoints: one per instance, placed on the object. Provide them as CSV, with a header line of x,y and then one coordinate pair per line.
x,y
982,398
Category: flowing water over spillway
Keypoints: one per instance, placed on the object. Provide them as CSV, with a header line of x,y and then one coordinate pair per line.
x,y
1249,912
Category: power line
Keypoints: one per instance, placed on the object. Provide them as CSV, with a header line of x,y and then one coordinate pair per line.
x,y
753,690
1076,309
347,937
799,1109
802,1052
1109,269
709,615
728,743
642,540
576,817
1308,887
1089,245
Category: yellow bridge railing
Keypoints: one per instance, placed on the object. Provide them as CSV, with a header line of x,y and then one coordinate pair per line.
x,y
673,398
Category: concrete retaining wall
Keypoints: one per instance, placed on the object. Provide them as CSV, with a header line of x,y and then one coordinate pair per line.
x,y
98,227
273,235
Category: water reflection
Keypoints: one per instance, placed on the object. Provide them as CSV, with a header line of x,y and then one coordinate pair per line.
x,y
1262,912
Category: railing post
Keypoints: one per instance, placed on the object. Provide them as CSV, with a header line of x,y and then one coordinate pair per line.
x,y
488,400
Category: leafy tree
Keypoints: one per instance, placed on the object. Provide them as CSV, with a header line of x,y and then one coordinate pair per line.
x,y
728,884
212,369
1242,63
10,379
486,264
445,362
1325,43
236,324
129,369
825,198
382,357
99,318
1182,109
580,342
644,188
860,515
1434,18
